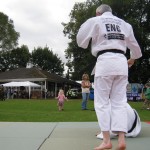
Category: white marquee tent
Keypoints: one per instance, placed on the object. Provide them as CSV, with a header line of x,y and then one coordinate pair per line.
x,y
25,83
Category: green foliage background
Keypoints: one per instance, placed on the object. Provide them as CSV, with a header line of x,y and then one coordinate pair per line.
x,y
136,12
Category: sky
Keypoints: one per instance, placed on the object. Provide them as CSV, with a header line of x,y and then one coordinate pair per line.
x,y
39,22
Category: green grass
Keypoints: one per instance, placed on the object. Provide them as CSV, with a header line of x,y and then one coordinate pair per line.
x,y
44,111
47,111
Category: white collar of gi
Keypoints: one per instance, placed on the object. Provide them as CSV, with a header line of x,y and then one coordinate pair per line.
x,y
107,14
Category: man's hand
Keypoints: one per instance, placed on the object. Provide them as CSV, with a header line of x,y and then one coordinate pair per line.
x,y
130,62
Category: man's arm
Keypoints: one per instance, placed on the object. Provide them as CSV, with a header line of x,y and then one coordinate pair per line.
x,y
131,62
85,34
132,44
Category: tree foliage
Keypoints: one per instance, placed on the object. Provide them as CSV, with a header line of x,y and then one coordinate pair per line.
x,y
8,35
47,60
136,12
16,58
79,60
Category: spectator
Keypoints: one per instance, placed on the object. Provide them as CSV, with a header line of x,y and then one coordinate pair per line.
x,y
147,96
85,85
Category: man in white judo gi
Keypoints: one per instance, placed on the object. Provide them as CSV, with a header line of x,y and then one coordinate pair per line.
x,y
111,36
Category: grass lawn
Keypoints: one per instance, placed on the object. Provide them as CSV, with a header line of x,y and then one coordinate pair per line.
x,y
46,111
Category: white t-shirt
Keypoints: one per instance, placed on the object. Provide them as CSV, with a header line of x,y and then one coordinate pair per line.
x,y
86,89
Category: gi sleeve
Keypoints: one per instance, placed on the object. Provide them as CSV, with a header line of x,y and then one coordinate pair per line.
x,y
135,51
85,34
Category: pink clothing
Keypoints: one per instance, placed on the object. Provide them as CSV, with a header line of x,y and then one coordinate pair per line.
x,y
61,98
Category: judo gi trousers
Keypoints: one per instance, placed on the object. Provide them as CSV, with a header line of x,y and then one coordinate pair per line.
x,y
110,102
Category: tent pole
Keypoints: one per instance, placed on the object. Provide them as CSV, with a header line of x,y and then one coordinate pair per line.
x,y
55,89
45,89
29,91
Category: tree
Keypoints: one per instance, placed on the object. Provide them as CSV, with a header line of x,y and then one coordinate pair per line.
x,y
20,57
79,60
16,58
47,60
136,12
8,35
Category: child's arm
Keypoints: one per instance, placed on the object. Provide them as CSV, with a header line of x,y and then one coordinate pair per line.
x,y
57,97
65,98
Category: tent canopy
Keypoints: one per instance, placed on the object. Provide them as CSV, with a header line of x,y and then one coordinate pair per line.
x,y
25,83
17,84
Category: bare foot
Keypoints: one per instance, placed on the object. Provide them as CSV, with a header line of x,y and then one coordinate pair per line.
x,y
104,146
121,146
121,141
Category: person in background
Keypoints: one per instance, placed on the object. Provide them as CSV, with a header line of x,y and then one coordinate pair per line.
x,y
8,93
61,98
2,93
110,37
144,106
85,86
147,96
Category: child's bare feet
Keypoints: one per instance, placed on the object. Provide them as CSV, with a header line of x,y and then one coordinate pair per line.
x,y
104,146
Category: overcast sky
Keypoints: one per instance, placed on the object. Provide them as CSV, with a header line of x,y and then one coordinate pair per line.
x,y
39,22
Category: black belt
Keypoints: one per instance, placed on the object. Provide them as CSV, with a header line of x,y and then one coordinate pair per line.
x,y
134,123
110,50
